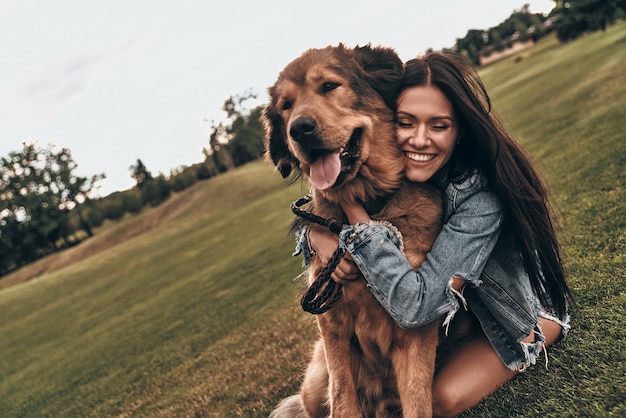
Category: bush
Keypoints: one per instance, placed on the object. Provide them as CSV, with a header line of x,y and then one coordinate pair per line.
x,y
132,201
113,208
94,215
183,180
155,192
202,172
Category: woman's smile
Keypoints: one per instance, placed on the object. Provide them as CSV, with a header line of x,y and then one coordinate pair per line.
x,y
420,157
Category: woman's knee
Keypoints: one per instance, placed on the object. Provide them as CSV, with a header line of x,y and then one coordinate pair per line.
x,y
446,401
474,373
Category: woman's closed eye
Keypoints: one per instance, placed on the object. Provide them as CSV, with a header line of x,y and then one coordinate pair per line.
x,y
440,126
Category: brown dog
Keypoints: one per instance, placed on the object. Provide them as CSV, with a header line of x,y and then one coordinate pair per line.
x,y
331,120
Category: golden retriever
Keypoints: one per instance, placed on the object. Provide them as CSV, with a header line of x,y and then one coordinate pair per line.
x,y
330,119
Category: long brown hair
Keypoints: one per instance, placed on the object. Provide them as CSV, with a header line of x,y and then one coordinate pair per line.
x,y
485,145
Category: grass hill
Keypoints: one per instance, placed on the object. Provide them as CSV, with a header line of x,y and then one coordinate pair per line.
x,y
191,308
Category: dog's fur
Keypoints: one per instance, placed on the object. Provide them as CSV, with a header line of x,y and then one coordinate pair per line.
x,y
340,98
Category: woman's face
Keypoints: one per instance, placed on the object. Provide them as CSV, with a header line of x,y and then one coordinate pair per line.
x,y
426,129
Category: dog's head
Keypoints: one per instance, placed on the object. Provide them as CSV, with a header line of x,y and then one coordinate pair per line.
x,y
330,118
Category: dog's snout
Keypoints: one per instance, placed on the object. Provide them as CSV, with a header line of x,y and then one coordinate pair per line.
x,y
302,128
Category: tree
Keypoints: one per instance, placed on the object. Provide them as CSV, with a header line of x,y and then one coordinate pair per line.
x,y
182,178
112,207
471,45
131,200
156,191
40,197
211,166
237,139
218,138
575,17
140,173
71,189
203,172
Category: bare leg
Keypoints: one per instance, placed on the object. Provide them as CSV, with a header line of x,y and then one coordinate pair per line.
x,y
475,372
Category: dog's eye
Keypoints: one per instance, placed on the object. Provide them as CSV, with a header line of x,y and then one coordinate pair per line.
x,y
286,105
329,86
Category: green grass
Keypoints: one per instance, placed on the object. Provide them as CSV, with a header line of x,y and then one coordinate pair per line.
x,y
129,328
191,309
567,105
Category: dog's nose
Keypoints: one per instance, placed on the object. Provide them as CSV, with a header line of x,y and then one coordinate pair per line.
x,y
302,128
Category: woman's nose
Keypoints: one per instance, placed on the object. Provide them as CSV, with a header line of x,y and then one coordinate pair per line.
x,y
419,139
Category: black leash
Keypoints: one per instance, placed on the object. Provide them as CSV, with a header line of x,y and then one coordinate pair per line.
x,y
323,292
331,223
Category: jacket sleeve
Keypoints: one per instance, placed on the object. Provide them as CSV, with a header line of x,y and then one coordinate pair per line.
x,y
303,244
415,298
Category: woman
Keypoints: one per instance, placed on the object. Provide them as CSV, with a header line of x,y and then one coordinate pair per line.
x,y
494,274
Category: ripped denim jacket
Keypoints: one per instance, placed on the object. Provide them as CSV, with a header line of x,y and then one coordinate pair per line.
x,y
472,246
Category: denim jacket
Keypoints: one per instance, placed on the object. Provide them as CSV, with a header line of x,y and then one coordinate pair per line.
x,y
471,246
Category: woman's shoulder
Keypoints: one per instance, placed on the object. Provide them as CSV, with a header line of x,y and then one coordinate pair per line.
x,y
472,189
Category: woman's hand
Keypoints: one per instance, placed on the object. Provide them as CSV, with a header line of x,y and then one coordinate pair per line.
x,y
325,245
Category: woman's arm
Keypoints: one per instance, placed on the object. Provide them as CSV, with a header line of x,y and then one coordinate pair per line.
x,y
458,255
356,213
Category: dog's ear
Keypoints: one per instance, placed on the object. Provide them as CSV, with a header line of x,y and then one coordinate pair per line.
x,y
275,142
383,70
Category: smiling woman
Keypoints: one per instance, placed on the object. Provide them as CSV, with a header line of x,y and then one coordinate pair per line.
x,y
496,256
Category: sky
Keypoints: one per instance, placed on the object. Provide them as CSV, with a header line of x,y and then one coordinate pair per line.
x,y
120,80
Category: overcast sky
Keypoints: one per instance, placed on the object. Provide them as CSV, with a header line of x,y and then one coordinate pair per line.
x,y
118,80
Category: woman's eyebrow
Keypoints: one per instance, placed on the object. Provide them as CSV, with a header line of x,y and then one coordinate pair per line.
x,y
448,117
436,117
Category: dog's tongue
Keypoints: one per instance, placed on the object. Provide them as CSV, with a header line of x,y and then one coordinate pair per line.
x,y
325,170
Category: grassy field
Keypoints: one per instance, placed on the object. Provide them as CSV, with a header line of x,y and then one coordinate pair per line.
x,y
191,308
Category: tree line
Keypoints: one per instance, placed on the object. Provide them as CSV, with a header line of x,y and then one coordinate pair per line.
x,y
46,207
569,19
